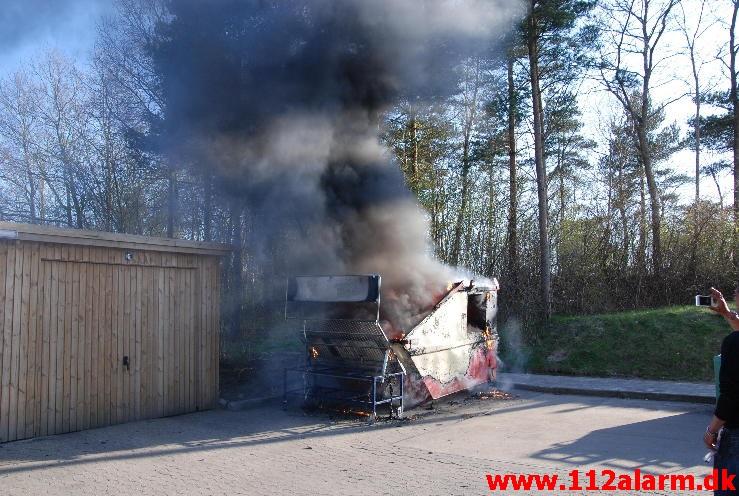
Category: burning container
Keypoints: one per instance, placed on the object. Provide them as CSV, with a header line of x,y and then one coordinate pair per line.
x,y
356,360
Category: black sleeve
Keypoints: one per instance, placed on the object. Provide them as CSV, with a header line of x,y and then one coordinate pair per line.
x,y
727,406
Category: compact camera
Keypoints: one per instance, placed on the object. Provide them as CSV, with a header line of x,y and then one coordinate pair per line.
x,y
705,301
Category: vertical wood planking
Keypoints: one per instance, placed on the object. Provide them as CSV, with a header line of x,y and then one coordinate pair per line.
x,y
205,355
148,343
181,338
3,268
89,328
185,338
45,276
20,259
137,340
94,273
198,323
144,296
153,343
66,307
23,343
175,332
42,359
73,308
132,340
160,341
216,331
116,360
120,348
32,371
60,337
54,269
190,339
125,284
7,333
195,324
107,334
171,350
182,291
205,362
81,336
69,313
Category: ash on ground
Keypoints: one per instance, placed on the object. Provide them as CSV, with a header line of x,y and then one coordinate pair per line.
x,y
491,394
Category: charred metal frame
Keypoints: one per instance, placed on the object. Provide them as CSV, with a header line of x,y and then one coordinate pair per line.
x,y
341,396
349,363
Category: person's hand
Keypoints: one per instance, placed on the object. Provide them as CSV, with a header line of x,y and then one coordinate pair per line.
x,y
721,306
709,439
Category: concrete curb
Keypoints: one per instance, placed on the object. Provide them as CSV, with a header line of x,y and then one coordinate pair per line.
x,y
612,393
238,405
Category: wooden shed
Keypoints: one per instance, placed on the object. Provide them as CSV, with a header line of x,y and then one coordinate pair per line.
x,y
99,329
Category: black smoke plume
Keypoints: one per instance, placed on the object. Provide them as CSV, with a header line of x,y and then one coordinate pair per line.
x,y
282,101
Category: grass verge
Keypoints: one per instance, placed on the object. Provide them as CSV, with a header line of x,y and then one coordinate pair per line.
x,y
673,343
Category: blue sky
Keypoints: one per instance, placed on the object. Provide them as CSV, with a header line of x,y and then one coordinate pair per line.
x,y
29,26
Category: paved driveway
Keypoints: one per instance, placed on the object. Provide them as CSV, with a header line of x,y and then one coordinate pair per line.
x,y
447,451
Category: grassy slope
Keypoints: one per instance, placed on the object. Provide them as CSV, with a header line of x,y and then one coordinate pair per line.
x,y
674,343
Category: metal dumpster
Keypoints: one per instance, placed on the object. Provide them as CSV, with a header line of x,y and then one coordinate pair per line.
x,y
358,360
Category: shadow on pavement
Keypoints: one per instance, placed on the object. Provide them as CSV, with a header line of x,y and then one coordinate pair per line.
x,y
636,445
220,430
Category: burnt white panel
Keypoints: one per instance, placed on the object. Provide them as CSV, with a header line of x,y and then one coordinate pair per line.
x,y
441,345
333,288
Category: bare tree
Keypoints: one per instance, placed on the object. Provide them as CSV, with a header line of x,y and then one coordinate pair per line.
x,y
19,124
692,34
63,116
512,229
469,109
629,58
533,33
734,100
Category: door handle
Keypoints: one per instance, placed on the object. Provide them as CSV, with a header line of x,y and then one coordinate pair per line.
x,y
127,363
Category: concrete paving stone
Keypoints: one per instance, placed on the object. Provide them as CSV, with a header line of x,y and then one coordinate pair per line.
x,y
267,451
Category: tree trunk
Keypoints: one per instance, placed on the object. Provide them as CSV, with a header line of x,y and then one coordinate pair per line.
x,y
697,128
171,201
735,107
490,223
624,218
697,137
68,205
461,214
414,155
645,153
541,175
654,203
642,248
470,110
512,189
562,195
208,208
42,200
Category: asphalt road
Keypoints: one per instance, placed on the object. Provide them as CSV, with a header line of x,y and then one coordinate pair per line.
x,y
448,450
